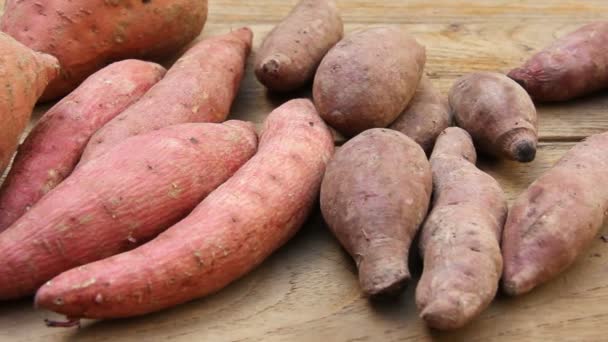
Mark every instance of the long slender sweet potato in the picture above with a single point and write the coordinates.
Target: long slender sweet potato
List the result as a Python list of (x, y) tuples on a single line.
[(292, 51), (498, 113), (199, 87), (52, 149), (573, 66), (553, 222), (119, 200), (368, 79), (86, 35), (460, 240), (375, 195), (425, 117), (231, 232), (25, 75)]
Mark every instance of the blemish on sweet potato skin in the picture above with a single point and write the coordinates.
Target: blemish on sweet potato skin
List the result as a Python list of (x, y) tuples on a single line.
[(553, 222), (104, 206), (88, 34), (375, 195), (231, 232), (460, 240)]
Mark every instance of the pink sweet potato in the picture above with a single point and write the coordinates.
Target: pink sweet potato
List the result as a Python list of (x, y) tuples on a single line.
[(292, 51), (199, 87), (375, 195), (231, 232), (119, 200), (25, 75), (460, 240), (86, 35), (553, 222), (425, 117), (52, 149), (573, 66)]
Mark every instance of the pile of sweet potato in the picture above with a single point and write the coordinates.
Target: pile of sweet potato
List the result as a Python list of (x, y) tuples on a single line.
[(133, 193)]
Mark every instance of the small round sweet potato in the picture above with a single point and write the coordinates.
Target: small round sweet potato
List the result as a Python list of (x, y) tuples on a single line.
[(292, 51), (498, 113), (368, 79), (86, 35)]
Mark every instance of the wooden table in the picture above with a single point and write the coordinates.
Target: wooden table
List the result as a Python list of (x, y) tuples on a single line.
[(308, 290)]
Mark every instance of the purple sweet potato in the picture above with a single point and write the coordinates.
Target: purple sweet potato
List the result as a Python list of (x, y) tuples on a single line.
[(573, 66), (52, 149), (126, 197)]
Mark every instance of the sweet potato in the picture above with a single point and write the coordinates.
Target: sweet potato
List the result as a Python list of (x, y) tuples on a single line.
[(368, 79), (52, 149), (460, 239), (573, 66), (231, 232), (498, 113), (375, 195), (425, 117), (25, 74), (292, 51), (555, 220), (119, 200), (86, 35), (199, 87)]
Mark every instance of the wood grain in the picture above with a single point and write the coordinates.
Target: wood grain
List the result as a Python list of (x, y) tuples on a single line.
[(308, 290)]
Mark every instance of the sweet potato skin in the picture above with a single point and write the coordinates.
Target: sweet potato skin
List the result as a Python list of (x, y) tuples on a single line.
[(556, 218), (374, 196), (123, 198), (25, 74), (86, 35), (199, 87), (573, 66), (52, 149), (292, 51), (232, 231), (368, 78), (498, 113), (425, 117), (460, 239)]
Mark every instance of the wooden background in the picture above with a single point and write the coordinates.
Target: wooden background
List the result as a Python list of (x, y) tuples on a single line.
[(308, 290)]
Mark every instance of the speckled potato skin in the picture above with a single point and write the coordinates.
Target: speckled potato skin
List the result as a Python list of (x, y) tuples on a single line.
[(425, 117), (498, 113), (25, 75), (53, 147), (460, 239), (230, 233), (199, 87), (368, 79), (571, 67), (556, 218), (374, 196), (86, 35), (292, 51), (120, 200)]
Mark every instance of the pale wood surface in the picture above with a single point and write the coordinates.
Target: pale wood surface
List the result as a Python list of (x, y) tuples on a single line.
[(308, 290)]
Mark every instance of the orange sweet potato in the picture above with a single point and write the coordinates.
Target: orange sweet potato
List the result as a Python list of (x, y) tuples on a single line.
[(231, 232), (368, 79), (119, 200), (573, 66), (199, 87), (460, 239), (52, 149), (25, 74), (425, 117), (292, 51), (375, 195), (498, 113), (86, 35), (553, 222)]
